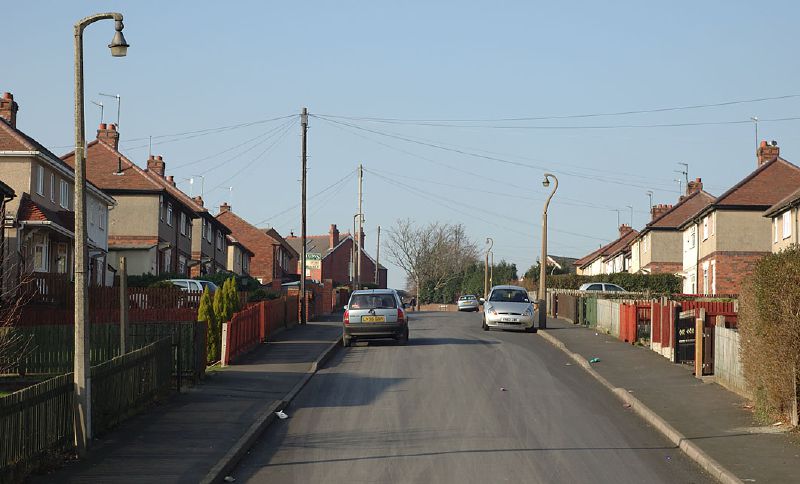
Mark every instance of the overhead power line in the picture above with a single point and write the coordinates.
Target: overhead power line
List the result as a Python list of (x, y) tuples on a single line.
[(571, 116)]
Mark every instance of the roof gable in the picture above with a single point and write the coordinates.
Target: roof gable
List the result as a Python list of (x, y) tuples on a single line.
[(764, 187), (783, 204), (684, 210)]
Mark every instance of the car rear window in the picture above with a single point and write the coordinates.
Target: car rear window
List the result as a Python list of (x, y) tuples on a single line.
[(373, 301), (467, 298), (509, 295)]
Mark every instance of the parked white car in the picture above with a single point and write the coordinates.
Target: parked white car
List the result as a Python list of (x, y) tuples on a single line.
[(601, 287), (508, 307)]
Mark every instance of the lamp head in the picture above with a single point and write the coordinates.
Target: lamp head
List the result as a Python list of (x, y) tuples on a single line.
[(118, 45), (546, 182)]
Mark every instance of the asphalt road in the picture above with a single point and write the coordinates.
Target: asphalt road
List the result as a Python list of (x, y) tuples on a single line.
[(436, 412)]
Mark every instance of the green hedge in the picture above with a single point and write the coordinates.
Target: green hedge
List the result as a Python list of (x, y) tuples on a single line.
[(653, 283)]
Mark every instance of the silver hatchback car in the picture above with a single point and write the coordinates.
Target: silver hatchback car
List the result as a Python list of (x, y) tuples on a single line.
[(508, 307), (374, 313), (468, 303)]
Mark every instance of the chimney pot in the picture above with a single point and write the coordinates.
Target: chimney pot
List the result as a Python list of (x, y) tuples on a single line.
[(8, 109), (107, 132), (224, 207), (157, 165), (160, 158), (767, 152)]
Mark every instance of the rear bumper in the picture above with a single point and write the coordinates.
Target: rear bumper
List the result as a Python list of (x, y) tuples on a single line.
[(468, 307), (373, 330)]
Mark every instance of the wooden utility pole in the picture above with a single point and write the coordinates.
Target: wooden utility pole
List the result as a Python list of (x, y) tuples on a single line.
[(378, 256), (304, 131), (360, 224), (489, 241), (123, 305)]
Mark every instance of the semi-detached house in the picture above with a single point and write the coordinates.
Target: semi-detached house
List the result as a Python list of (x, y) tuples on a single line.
[(151, 226), (659, 246), (610, 258), (725, 239), (40, 221)]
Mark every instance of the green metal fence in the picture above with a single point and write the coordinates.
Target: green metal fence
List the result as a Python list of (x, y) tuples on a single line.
[(589, 311), (51, 347)]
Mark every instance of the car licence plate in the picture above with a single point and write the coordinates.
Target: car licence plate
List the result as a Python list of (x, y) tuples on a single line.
[(510, 320), (373, 319)]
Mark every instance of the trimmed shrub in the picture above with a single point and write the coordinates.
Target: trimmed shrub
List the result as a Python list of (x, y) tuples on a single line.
[(262, 295), (769, 324), (206, 313), (653, 283)]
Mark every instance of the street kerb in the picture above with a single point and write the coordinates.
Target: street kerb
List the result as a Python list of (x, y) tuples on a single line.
[(229, 461), (708, 463)]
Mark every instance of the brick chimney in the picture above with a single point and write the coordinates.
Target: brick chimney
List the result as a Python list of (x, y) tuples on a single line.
[(333, 236), (767, 152), (8, 109), (224, 207), (198, 200), (156, 165), (109, 134), (694, 186), (657, 210), (624, 229)]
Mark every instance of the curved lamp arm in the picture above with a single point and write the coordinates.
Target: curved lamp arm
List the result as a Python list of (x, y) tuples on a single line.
[(546, 183)]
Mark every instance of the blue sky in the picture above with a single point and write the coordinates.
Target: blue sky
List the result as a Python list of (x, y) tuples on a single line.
[(194, 66)]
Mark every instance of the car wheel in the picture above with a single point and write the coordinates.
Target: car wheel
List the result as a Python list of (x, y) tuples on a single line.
[(532, 329), (403, 339), (346, 341), (485, 326)]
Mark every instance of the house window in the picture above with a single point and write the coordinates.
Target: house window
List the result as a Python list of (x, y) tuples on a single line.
[(188, 227), (181, 264), (207, 229), (245, 263), (40, 256), (101, 217), (168, 260), (705, 228), (40, 179), (787, 224), (169, 214), (53, 187), (61, 258), (775, 230), (712, 221), (705, 280), (183, 223), (64, 198), (90, 209), (161, 208), (713, 277), (692, 236), (219, 240)]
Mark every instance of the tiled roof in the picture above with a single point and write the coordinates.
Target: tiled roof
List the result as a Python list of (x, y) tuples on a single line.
[(6, 191), (12, 139), (621, 244), (279, 238), (317, 244), (178, 194), (684, 210), (784, 203), (764, 187), (32, 211), (585, 260), (102, 169), (233, 240)]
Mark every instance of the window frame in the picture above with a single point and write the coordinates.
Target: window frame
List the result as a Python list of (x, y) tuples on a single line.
[(40, 180), (63, 189), (53, 187), (169, 214), (705, 227), (183, 223), (787, 224)]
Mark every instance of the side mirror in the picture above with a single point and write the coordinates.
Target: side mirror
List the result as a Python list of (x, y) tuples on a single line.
[(482, 300)]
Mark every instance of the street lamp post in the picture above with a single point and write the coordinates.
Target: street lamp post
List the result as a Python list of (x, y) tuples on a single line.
[(543, 260), (119, 48)]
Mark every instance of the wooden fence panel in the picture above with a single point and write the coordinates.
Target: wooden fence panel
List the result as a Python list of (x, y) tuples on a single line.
[(123, 384), (727, 363), (35, 420)]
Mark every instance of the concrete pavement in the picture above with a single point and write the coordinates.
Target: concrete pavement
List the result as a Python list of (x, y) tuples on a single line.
[(707, 414), (461, 405), (184, 438)]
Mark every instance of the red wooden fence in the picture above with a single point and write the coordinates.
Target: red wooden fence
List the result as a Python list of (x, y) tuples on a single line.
[(256, 323)]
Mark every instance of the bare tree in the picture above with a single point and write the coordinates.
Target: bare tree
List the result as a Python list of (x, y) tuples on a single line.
[(434, 254), (14, 295)]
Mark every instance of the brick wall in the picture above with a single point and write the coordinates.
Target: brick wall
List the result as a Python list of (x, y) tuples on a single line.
[(732, 269), (261, 244), (336, 266)]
